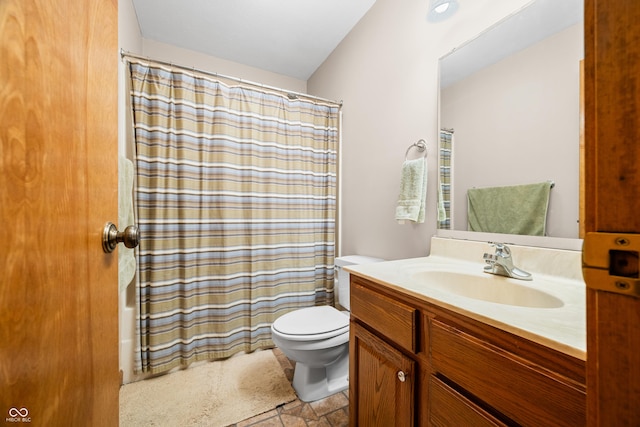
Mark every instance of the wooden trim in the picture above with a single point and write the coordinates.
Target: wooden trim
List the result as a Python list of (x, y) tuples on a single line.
[(612, 202), (581, 190)]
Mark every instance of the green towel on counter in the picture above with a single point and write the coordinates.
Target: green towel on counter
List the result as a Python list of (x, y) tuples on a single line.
[(518, 209)]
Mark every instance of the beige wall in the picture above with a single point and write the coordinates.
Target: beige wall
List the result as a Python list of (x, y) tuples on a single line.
[(386, 72), (189, 58), (517, 122)]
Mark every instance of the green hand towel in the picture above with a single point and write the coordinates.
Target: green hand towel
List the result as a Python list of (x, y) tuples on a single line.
[(413, 191), (518, 209)]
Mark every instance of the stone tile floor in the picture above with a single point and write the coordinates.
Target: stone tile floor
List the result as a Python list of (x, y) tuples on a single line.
[(332, 411)]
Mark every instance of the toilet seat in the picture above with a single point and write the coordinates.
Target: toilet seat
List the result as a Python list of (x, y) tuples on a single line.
[(312, 323)]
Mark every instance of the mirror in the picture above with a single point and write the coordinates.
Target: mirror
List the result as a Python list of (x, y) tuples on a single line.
[(511, 97)]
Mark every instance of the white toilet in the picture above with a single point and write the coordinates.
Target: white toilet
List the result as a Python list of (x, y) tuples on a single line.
[(317, 339)]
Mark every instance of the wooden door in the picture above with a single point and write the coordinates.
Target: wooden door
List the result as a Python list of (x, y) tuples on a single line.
[(381, 382), (612, 172), (58, 187)]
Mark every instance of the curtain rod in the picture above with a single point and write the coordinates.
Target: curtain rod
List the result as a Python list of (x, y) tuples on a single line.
[(290, 94)]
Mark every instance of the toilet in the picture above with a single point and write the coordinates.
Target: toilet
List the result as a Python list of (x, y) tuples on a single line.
[(317, 339)]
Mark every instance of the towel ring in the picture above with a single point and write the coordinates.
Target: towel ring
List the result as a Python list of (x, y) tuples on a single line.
[(421, 145)]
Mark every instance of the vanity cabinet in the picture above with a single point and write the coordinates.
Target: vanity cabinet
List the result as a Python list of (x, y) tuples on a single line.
[(416, 363), (382, 377), (386, 379), (518, 380)]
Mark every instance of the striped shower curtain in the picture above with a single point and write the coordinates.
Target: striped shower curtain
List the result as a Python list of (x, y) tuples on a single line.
[(444, 179), (235, 198)]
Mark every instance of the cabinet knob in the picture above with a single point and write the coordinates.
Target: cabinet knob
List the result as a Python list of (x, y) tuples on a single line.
[(402, 376)]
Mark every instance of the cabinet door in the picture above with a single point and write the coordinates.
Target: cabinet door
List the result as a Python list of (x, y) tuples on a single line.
[(382, 381)]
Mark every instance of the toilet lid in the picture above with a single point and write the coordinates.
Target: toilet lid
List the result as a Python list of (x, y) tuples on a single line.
[(310, 321)]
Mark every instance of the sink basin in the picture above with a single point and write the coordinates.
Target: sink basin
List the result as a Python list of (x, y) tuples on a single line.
[(487, 287)]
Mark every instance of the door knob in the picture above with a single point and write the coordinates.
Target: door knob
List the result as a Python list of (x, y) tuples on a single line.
[(402, 376), (111, 237)]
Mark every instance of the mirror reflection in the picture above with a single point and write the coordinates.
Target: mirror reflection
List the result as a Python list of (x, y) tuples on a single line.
[(510, 116)]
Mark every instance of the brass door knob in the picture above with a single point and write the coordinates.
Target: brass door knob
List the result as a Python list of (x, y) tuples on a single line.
[(111, 237)]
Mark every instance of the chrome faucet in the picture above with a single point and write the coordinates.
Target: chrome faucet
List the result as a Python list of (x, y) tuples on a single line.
[(501, 263)]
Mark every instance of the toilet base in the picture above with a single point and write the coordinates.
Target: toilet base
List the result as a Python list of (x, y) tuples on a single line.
[(317, 383)]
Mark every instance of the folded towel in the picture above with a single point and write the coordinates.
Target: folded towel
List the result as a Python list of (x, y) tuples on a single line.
[(126, 257), (413, 191), (518, 209)]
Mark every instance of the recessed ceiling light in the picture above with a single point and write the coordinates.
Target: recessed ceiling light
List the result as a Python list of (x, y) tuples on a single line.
[(439, 10), (442, 8)]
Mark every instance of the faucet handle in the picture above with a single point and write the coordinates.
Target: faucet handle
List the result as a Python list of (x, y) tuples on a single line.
[(501, 263), (496, 245), (489, 257), (501, 249)]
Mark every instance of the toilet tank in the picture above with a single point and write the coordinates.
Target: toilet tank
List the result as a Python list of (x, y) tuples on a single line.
[(343, 275)]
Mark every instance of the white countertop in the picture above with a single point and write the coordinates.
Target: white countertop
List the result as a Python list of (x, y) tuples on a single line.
[(562, 327)]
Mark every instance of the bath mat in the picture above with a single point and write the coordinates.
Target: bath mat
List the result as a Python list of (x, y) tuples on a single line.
[(213, 394)]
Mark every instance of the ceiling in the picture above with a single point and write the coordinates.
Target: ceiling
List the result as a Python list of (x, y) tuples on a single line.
[(289, 37), (533, 23)]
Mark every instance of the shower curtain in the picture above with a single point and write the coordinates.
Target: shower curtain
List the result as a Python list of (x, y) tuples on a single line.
[(236, 200), (444, 179)]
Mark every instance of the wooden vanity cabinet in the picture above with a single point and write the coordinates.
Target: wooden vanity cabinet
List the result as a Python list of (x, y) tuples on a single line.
[(382, 378), (513, 378), (414, 363), (385, 378)]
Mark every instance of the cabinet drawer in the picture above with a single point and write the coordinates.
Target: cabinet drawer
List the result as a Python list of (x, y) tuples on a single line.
[(523, 391), (393, 319), (447, 408)]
